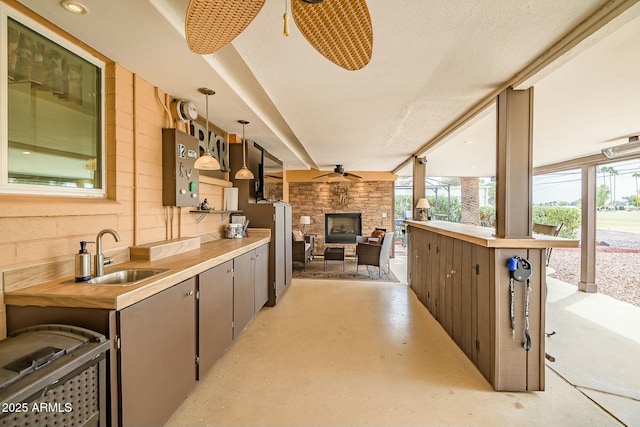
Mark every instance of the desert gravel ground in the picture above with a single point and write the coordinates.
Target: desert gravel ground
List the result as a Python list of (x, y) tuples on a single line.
[(617, 265)]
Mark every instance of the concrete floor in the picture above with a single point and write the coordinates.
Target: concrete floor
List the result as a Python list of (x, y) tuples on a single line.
[(336, 353), (596, 347)]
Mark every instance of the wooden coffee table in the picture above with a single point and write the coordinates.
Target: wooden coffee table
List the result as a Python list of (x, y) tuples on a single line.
[(333, 254)]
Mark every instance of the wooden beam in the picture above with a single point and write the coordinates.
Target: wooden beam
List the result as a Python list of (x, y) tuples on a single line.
[(514, 157), (588, 231), (419, 177)]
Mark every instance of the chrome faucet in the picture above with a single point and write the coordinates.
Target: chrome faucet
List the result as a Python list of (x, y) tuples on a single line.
[(100, 261)]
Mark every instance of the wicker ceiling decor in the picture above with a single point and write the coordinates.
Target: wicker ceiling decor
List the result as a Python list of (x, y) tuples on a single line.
[(339, 29), (212, 24)]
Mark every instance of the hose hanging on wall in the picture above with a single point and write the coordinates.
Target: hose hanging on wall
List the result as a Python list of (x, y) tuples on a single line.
[(520, 270)]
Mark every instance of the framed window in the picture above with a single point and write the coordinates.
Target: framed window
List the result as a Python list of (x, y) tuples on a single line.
[(52, 129)]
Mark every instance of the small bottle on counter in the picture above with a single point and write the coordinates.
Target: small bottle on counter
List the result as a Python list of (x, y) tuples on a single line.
[(83, 263)]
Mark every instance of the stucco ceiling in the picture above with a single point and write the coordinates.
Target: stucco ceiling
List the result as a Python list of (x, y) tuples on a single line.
[(432, 62)]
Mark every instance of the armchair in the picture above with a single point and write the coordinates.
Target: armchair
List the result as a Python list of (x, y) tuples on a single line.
[(374, 254), (300, 249)]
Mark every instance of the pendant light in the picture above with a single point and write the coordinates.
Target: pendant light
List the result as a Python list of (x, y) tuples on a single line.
[(207, 161), (244, 172)]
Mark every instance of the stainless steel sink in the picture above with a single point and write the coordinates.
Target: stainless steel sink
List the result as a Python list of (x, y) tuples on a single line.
[(127, 276)]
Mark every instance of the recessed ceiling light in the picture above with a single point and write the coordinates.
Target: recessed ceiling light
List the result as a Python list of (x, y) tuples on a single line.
[(74, 7), (26, 152), (468, 142)]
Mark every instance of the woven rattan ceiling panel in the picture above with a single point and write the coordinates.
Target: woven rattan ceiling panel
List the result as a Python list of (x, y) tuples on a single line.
[(212, 24), (339, 29)]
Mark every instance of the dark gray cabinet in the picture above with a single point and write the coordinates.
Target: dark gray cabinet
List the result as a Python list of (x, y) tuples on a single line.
[(243, 292), (277, 218), (157, 342), (157, 355), (250, 286), (215, 314), (261, 295)]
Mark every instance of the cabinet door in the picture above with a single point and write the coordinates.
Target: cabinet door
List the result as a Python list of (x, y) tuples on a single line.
[(456, 293), (243, 291), (482, 355), (448, 285), (415, 255), (434, 274), (157, 355), (288, 266), (279, 254), (467, 278), (261, 294), (215, 314)]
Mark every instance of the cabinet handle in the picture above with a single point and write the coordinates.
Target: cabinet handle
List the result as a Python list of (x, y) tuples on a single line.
[(230, 270), (190, 293), (453, 272)]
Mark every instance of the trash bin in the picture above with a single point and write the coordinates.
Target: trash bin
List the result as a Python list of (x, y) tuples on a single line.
[(53, 375)]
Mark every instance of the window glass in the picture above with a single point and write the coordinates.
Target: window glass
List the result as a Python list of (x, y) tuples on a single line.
[(54, 115)]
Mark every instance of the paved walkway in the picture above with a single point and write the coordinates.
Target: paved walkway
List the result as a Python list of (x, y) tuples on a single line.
[(596, 347)]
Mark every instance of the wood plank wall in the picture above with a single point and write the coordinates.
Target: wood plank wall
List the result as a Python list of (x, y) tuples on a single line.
[(40, 234)]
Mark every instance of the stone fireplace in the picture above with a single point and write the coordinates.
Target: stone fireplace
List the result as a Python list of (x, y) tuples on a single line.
[(342, 227), (373, 199)]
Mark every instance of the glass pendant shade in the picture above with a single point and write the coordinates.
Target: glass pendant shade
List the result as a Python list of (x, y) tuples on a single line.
[(244, 172), (207, 161)]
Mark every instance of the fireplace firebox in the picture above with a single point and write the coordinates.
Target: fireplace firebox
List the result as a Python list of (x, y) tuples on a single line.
[(342, 227)]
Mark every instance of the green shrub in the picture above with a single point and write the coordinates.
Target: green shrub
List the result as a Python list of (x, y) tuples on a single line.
[(443, 210), (569, 216), (487, 216), (551, 215)]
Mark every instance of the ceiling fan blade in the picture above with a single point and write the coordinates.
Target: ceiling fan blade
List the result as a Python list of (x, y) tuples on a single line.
[(212, 24), (352, 177), (340, 30), (330, 175)]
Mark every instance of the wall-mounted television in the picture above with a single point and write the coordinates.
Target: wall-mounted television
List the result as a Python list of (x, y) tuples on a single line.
[(267, 170)]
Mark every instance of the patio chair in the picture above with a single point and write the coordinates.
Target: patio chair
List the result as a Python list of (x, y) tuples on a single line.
[(375, 254), (548, 230)]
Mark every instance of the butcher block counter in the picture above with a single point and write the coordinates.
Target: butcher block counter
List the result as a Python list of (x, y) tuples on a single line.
[(66, 293), (460, 274), (166, 331), (483, 236)]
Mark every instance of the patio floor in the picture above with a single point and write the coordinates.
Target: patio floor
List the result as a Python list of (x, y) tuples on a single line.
[(596, 347)]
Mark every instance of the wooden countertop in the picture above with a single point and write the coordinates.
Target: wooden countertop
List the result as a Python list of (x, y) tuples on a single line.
[(483, 236), (66, 293)]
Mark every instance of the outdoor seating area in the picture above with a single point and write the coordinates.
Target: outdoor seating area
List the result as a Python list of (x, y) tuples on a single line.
[(373, 250)]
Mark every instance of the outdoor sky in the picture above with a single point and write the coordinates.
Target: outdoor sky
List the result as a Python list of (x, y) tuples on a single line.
[(565, 186)]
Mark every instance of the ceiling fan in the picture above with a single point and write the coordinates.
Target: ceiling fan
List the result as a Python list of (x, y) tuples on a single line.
[(340, 30), (338, 171)]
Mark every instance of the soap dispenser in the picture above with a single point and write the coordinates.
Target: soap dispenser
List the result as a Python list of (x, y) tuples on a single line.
[(83, 263)]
